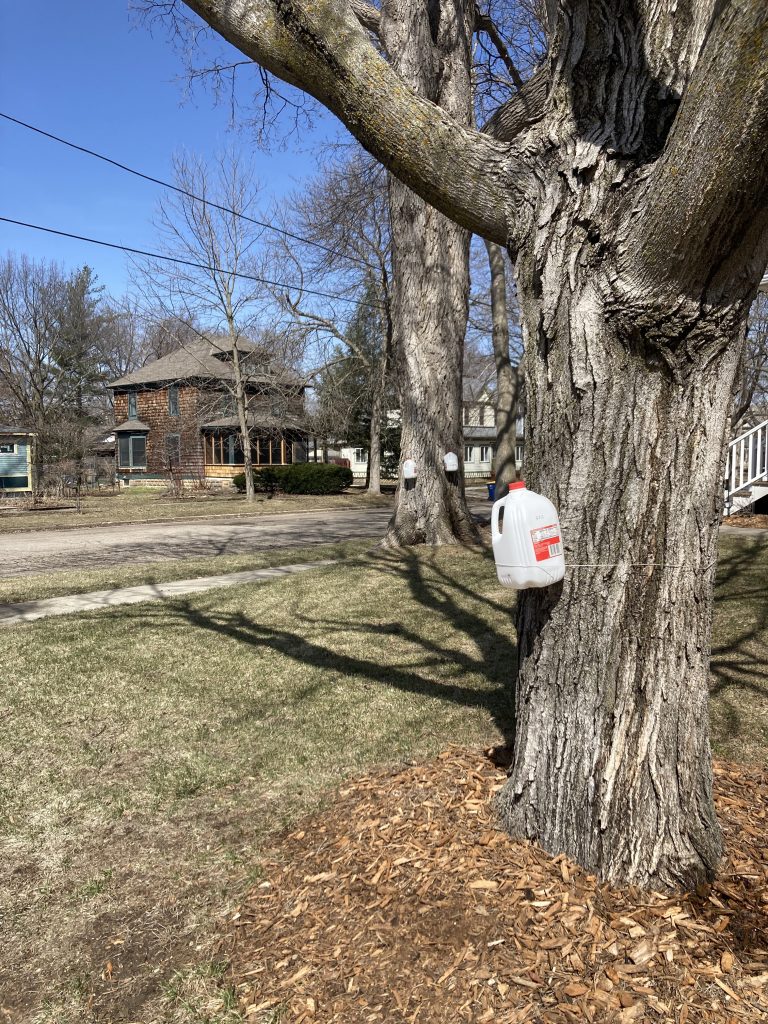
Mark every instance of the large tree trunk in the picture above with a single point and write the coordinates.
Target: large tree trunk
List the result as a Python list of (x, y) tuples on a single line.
[(430, 301), (507, 383), (612, 762), (634, 200)]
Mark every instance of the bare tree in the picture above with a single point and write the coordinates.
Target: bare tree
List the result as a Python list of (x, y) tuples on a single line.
[(51, 331), (494, 342), (211, 290), (507, 381), (345, 213), (430, 258), (629, 180)]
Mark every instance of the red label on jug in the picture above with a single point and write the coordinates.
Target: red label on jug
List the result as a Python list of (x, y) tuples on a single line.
[(546, 542)]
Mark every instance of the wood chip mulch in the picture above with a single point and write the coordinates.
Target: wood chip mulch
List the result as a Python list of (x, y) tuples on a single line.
[(403, 902), (749, 522)]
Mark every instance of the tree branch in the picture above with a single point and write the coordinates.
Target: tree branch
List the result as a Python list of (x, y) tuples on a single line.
[(521, 110), (702, 224), (368, 16), (320, 47), (484, 23)]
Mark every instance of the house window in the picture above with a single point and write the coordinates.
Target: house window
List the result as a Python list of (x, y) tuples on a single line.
[(132, 451), (7, 449), (132, 406), (518, 454), (469, 453), (224, 450), (485, 453), (360, 455), (172, 450), (173, 400)]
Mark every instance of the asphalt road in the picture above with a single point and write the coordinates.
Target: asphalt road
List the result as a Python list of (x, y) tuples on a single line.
[(92, 547)]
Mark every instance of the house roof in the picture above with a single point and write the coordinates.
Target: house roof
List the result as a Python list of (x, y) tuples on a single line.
[(255, 421), (475, 387), (479, 433), (203, 359), (135, 425), (223, 347), (15, 430)]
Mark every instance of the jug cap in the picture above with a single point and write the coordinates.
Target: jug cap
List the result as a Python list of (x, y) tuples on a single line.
[(517, 485)]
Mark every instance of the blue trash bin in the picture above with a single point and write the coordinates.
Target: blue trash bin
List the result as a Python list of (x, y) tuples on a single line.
[(492, 491)]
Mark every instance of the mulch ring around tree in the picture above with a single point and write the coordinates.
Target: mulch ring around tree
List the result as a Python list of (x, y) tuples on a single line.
[(403, 902), (749, 522)]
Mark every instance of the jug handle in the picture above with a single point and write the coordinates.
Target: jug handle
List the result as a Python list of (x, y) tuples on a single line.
[(495, 531)]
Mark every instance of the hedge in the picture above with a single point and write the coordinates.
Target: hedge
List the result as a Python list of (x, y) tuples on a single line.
[(299, 478)]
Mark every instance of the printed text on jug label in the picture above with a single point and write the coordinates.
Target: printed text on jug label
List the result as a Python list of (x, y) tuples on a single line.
[(546, 542)]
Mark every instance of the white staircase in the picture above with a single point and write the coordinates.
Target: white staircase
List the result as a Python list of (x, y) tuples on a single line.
[(746, 472)]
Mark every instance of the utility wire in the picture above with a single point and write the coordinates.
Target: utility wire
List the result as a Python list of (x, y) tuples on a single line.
[(199, 199), (187, 263), (184, 192)]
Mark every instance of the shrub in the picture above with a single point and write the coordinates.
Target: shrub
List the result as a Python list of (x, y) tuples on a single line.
[(299, 478), (265, 481), (315, 478)]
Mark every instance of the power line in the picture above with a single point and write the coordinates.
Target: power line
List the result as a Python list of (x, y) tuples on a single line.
[(187, 263), (215, 206), (184, 192)]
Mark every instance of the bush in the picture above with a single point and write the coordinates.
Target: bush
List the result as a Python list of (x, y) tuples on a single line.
[(265, 481), (315, 478), (299, 478)]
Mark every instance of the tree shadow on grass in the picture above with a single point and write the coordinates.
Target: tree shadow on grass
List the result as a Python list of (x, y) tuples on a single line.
[(438, 669), (738, 665)]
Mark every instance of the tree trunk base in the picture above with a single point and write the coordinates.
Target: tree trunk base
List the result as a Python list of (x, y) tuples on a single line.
[(431, 516)]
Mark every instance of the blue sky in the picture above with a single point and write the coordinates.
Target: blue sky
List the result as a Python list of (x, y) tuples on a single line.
[(91, 73)]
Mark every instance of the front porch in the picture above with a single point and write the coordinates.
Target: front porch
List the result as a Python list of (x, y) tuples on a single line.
[(224, 457)]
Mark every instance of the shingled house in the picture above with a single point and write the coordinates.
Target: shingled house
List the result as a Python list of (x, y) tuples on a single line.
[(479, 425), (178, 414)]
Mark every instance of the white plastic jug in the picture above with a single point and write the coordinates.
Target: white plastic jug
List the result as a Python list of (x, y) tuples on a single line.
[(528, 548)]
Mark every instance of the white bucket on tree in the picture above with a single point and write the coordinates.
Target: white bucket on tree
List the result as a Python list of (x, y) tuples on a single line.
[(528, 544)]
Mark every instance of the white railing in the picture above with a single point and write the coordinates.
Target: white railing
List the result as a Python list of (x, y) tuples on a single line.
[(747, 460)]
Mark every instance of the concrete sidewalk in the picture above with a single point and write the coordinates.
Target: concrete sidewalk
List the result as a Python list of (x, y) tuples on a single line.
[(15, 614)]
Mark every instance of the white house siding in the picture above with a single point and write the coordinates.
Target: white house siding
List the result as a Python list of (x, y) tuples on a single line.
[(15, 463)]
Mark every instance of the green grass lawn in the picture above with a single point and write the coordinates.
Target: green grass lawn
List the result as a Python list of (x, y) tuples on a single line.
[(151, 750), (137, 504)]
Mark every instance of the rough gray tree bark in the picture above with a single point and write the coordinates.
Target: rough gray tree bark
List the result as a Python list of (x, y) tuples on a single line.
[(430, 287), (378, 411), (635, 206), (507, 382)]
